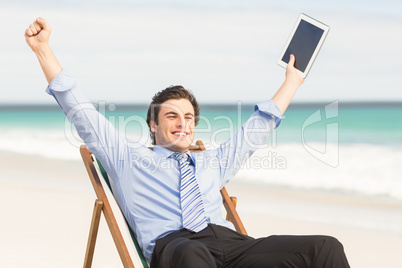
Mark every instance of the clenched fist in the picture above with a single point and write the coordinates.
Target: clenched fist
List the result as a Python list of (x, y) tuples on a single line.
[(37, 37), (37, 34)]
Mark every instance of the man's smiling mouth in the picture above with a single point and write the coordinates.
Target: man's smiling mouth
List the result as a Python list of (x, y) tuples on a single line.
[(180, 133)]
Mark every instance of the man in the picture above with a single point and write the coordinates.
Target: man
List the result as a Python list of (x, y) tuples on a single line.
[(169, 196)]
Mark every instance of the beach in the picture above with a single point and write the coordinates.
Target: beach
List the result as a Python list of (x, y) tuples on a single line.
[(47, 208), (332, 167)]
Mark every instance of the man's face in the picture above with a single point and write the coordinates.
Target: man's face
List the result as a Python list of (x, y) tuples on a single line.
[(175, 129)]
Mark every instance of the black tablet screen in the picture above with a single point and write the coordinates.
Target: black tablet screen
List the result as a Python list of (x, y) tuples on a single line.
[(303, 44)]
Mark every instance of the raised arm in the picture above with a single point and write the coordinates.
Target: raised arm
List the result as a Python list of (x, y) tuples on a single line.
[(95, 130), (292, 82), (37, 37)]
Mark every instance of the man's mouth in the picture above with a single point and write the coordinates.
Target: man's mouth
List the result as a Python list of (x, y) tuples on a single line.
[(180, 133)]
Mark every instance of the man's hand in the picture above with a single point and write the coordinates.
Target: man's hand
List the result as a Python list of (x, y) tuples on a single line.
[(291, 72), (37, 37), (37, 34), (292, 82)]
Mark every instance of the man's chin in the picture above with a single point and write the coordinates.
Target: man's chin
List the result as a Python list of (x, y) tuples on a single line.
[(180, 145)]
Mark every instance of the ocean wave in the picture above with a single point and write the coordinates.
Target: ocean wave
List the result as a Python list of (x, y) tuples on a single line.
[(46, 143), (363, 169)]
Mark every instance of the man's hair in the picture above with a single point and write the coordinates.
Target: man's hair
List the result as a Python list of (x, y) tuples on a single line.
[(172, 92)]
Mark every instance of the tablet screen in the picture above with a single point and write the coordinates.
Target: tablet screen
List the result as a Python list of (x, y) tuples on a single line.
[(303, 44)]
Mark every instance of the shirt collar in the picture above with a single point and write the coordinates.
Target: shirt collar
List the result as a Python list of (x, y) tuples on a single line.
[(166, 153)]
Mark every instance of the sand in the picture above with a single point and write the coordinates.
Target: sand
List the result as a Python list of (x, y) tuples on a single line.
[(47, 206)]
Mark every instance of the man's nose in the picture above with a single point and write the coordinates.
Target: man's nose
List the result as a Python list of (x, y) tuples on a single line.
[(181, 122)]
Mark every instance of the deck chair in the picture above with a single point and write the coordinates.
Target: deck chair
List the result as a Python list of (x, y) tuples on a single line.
[(124, 238)]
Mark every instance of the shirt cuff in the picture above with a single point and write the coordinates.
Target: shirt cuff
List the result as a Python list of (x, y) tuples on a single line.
[(62, 82), (270, 108)]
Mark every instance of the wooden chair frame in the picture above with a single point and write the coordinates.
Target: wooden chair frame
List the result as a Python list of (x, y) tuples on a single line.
[(102, 204)]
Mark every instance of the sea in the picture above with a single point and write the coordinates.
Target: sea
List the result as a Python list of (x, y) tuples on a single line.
[(352, 148)]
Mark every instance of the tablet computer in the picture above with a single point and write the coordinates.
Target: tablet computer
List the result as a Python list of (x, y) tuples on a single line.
[(305, 42)]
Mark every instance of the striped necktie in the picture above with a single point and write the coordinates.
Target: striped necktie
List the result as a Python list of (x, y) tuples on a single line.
[(192, 207)]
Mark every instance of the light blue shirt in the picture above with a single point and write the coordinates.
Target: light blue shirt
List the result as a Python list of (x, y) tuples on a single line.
[(145, 183)]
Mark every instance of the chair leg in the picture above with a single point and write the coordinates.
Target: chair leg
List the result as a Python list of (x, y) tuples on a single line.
[(93, 232), (229, 204), (234, 201)]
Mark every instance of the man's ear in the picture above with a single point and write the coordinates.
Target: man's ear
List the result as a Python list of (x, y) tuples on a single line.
[(152, 126)]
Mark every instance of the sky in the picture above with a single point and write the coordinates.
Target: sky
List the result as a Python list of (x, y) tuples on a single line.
[(224, 51)]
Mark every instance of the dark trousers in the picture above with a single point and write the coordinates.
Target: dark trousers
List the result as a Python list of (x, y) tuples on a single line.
[(218, 246)]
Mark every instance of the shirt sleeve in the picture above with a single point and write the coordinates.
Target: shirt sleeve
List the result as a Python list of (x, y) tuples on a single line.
[(98, 134), (251, 136), (270, 108)]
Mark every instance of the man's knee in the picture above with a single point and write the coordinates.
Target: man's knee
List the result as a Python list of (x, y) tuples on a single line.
[(331, 243), (330, 253), (183, 252)]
